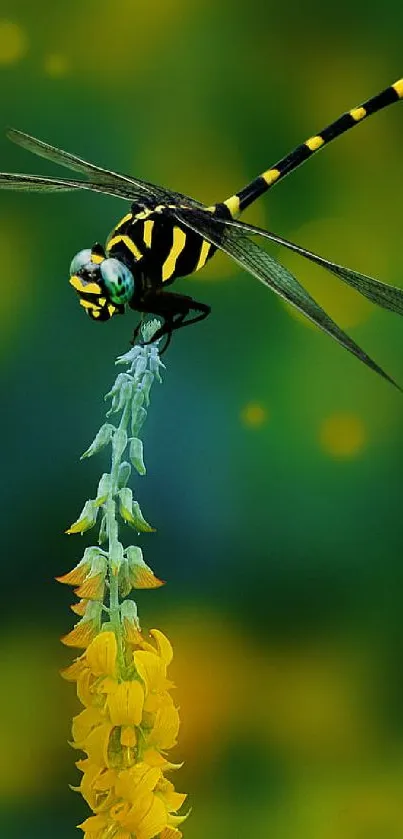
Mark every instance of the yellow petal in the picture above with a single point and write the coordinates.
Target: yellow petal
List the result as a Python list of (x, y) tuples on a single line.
[(79, 608), (84, 723), (166, 727), (81, 636), (175, 820), (125, 705), (101, 654), (96, 744), (92, 588), (146, 818), (133, 784), (173, 800), (94, 824), (85, 687), (134, 636), (128, 736), (142, 576), (171, 833), (151, 669), (106, 780), (164, 646), (154, 821), (76, 576), (154, 758), (73, 671)]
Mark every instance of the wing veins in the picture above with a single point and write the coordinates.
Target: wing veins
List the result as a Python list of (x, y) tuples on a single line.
[(260, 264), (384, 295)]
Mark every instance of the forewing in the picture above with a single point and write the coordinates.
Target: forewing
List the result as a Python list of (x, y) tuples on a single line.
[(133, 189), (387, 296), (260, 264), (35, 183)]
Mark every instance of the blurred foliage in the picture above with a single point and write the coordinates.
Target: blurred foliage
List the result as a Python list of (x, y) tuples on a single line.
[(274, 476)]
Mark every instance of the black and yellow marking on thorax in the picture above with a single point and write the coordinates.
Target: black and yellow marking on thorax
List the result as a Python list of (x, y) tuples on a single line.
[(238, 202), (166, 249)]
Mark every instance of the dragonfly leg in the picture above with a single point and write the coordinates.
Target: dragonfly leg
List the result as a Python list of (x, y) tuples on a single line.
[(174, 309)]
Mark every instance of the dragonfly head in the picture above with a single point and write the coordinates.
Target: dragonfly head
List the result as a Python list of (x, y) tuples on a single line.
[(103, 284)]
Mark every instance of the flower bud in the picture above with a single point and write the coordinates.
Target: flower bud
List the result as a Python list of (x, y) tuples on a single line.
[(86, 520), (136, 455), (119, 443), (104, 488), (124, 474), (101, 440)]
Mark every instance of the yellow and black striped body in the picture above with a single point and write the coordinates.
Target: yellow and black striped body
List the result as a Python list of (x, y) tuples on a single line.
[(283, 167), (160, 249)]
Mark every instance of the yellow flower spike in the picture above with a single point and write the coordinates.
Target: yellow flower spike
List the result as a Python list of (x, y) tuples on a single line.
[(101, 654), (84, 722), (151, 669), (164, 646), (125, 705), (121, 678)]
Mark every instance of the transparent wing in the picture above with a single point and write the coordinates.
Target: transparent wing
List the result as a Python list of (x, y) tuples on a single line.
[(133, 189), (34, 183), (387, 296), (233, 241)]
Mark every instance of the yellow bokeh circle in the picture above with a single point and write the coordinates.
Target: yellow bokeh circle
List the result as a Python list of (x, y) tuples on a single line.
[(13, 42), (342, 435), (253, 414), (56, 65)]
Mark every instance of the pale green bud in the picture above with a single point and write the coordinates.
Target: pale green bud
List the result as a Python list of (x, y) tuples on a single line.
[(136, 455), (101, 440), (119, 443), (124, 474), (138, 419), (104, 488)]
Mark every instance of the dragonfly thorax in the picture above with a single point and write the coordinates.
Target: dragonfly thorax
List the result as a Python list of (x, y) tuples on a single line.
[(103, 284)]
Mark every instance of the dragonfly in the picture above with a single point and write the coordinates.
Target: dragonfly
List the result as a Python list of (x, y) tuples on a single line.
[(166, 235)]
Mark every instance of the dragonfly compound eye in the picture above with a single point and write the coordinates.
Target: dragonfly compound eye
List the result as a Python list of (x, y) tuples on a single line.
[(81, 259), (118, 281)]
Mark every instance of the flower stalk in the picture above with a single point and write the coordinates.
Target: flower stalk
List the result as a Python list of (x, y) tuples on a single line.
[(129, 720)]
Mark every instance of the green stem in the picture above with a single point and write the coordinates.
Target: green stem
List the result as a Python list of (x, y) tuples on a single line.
[(113, 547)]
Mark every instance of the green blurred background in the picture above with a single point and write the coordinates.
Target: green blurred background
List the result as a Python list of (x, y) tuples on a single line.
[(274, 458)]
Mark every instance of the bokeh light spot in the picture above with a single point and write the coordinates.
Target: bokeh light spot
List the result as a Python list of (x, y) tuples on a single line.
[(253, 415), (342, 435), (56, 65), (13, 42)]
